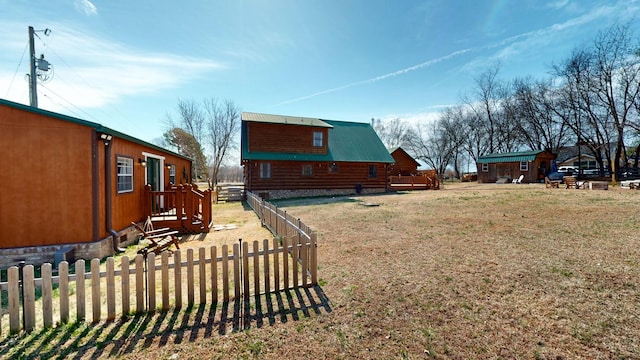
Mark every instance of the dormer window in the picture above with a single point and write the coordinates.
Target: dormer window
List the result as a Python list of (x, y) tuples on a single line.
[(317, 138)]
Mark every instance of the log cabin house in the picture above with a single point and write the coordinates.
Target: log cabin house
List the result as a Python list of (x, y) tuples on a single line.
[(286, 156), (404, 173), (75, 186), (534, 165)]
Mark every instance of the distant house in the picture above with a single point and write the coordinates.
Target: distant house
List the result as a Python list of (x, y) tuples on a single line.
[(404, 165), (534, 165), (71, 183), (287, 156)]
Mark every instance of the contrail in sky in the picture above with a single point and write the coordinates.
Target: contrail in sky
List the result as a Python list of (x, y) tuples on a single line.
[(378, 78)]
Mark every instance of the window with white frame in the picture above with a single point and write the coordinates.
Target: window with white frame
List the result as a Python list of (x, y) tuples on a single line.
[(317, 138), (125, 174), (485, 167), (307, 170), (524, 166), (172, 174), (265, 170)]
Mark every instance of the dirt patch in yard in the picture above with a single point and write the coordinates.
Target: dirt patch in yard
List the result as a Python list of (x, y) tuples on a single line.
[(469, 271)]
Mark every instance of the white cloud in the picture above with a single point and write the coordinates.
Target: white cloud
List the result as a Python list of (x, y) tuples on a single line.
[(91, 72), (86, 7)]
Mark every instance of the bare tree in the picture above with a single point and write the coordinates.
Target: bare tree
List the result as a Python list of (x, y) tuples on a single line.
[(394, 133), (223, 124)]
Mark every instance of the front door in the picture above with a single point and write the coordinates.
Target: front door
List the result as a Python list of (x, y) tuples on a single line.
[(153, 173)]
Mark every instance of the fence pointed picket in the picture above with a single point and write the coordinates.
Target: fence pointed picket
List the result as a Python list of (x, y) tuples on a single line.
[(256, 268), (80, 290), (151, 282), (177, 275), (190, 278), (29, 298), (295, 251), (225, 273), (285, 262), (111, 289), (95, 289), (140, 288), (314, 258), (245, 266), (267, 277), (236, 271), (63, 291), (125, 285), (202, 266), (47, 295), (164, 270), (276, 265), (214, 275), (13, 277), (305, 261)]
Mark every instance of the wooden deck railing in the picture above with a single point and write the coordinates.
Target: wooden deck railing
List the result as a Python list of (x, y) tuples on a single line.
[(183, 208), (154, 283), (413, 182)]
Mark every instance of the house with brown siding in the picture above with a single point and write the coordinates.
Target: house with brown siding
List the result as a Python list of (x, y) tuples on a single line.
[(288, 156), (533, 165), (74, 184), (405, 164)]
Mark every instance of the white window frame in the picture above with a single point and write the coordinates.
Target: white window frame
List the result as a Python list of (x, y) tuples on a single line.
[(524, 166), (172, 174), (485, 167), (318, 139), (265, 170), (124, 171)]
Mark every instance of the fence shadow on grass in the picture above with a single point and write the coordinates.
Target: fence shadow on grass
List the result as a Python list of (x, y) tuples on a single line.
[(124, 336)]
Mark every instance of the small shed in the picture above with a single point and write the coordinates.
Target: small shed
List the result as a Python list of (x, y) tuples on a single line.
[(534, 165)]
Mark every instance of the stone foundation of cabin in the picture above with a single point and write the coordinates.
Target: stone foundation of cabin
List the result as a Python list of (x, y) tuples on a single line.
[(37, 255), (287, 194)]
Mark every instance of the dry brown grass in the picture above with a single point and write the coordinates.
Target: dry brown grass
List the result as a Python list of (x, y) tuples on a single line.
[(470, 271)]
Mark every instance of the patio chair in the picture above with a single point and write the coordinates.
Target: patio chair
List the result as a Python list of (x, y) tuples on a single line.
[(159, 239), (570, 182), (518, 180), (551, 183)]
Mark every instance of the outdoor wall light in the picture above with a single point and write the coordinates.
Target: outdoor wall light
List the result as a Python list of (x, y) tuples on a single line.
[(106, 138), (142, 162), (168, 166)]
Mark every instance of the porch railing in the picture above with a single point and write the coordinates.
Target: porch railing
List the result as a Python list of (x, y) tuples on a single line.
[(182, 207)]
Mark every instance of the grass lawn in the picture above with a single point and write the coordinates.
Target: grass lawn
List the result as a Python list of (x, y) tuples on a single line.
[(469, 271)]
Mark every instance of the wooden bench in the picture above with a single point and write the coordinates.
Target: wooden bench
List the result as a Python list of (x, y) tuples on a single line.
[(159, 240)]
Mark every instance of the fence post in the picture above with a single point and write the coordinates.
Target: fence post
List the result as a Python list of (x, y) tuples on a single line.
[(80, 290), (285, 262), (13, 278), (63, 290), (95, 289), (47, 295), (245, 266)]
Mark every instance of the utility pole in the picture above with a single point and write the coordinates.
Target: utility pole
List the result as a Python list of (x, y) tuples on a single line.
[(33, 80), (36, 64)]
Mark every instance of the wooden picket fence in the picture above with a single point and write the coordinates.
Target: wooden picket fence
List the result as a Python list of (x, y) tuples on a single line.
[(278, 221), (156, 283)]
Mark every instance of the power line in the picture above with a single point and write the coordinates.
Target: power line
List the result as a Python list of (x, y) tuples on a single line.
[(16, 72)]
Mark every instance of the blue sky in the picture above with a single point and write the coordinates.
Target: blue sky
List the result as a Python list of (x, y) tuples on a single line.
[(125, 64)]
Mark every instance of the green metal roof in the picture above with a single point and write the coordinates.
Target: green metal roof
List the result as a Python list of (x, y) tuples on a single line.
[(347, 142), (509, 157), (96, 126)]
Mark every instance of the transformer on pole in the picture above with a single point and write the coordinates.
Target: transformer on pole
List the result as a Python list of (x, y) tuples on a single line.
[(38, 68)]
